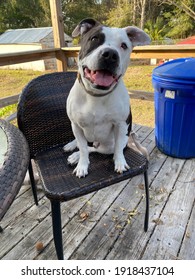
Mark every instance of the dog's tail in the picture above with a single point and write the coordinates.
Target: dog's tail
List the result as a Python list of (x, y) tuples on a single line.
[(136, 146)]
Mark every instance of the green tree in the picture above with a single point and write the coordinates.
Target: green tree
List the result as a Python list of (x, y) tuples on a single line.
[(75, 11), (156, 30), (181, 21), (120, 15), (186, 6), (23, 14)]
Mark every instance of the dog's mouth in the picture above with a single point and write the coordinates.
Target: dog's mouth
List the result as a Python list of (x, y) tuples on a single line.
[(101, 79)]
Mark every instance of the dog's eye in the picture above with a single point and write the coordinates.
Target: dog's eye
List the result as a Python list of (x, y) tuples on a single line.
[(124, 46), (94, 38)]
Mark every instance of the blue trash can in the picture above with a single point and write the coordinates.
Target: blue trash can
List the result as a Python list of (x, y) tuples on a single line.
[(174, 88)]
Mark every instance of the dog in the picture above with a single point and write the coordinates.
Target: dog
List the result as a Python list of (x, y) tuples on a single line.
[(98, 103)]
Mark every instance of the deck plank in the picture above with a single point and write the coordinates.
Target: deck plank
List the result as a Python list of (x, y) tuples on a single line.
[(187, 251), (109, 228), (76, 230), (168, 234), (42, 232), (113, 227), (134, 240)]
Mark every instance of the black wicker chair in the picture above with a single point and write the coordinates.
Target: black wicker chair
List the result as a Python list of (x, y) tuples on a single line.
[(43, 120), (14, 166)]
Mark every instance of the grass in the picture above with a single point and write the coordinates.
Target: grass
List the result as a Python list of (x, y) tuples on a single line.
[(136, 78), (11, 83), (140, 78)]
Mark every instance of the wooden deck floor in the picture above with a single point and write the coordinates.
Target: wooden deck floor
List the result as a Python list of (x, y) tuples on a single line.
[(109, 224)]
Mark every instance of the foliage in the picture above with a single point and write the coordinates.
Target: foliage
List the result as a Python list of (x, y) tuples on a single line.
[(180, 23), (157, 30), (177, 15), (120, 14), (75, 11), (22, 14)]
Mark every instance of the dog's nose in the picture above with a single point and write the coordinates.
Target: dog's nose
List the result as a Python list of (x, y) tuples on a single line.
[(109, 54)]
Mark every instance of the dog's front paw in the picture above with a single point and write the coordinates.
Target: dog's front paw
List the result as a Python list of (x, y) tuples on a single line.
[(74, 158), (70, 146), (121, 165), (81, 170)]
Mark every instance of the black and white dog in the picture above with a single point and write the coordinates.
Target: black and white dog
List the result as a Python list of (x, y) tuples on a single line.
[(98, 103)]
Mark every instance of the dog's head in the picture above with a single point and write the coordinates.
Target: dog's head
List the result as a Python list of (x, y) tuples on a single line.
[(105, 54)]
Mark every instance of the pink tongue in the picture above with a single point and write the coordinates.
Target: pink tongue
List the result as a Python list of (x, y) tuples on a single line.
[(100, 77)]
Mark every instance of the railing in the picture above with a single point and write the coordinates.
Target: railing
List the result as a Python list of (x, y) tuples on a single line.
[(142, 52), (27, 56)]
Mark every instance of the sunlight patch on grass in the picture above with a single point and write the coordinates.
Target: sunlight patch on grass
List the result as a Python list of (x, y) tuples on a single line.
[(142, 112), (139, 78), (13, 81)]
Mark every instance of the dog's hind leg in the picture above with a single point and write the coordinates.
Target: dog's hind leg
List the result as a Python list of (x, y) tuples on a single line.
[(74, 157), (99, 148), (70, 146)]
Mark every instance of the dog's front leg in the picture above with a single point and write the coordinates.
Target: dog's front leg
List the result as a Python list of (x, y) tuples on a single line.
[(81, 169), (121, 139)]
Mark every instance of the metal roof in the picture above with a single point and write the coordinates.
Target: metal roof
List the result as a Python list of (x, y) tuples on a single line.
[(27, 35), (187, 41)]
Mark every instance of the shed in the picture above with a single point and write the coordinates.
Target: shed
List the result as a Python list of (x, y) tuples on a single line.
[(19, 40)]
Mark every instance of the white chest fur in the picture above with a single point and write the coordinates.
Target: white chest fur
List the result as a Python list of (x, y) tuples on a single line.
[(97, 116)]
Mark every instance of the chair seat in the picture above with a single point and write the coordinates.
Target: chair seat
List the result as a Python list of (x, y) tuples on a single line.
[(59, 183)]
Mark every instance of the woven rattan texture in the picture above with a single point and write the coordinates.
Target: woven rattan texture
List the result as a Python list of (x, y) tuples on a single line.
[(60, 184), (15, 165), (42, 118), (42, 111)]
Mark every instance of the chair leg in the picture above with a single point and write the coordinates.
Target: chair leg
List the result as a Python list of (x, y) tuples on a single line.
[(147, 201), (33, 184), (57, 228)]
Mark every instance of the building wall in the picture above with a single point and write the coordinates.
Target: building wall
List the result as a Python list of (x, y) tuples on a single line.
[(11, 48), (48, 42), (51, 64)]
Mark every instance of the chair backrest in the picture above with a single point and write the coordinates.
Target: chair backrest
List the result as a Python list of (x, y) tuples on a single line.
[(42, 113)]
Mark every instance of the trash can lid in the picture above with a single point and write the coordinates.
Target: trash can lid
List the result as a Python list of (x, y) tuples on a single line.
[(182, 69)]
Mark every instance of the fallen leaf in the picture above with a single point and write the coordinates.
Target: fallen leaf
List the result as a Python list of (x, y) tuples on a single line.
[(133, 213), (118, 227), (83, 216), (39, 246), (141, 186), (158, 221), (123, 209)]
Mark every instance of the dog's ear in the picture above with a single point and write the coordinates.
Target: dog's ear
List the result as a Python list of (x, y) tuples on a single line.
[(84, 26), (137, 36)]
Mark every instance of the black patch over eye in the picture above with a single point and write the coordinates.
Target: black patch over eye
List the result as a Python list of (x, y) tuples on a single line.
[(124, 46), (91, 40), (94, 38)]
